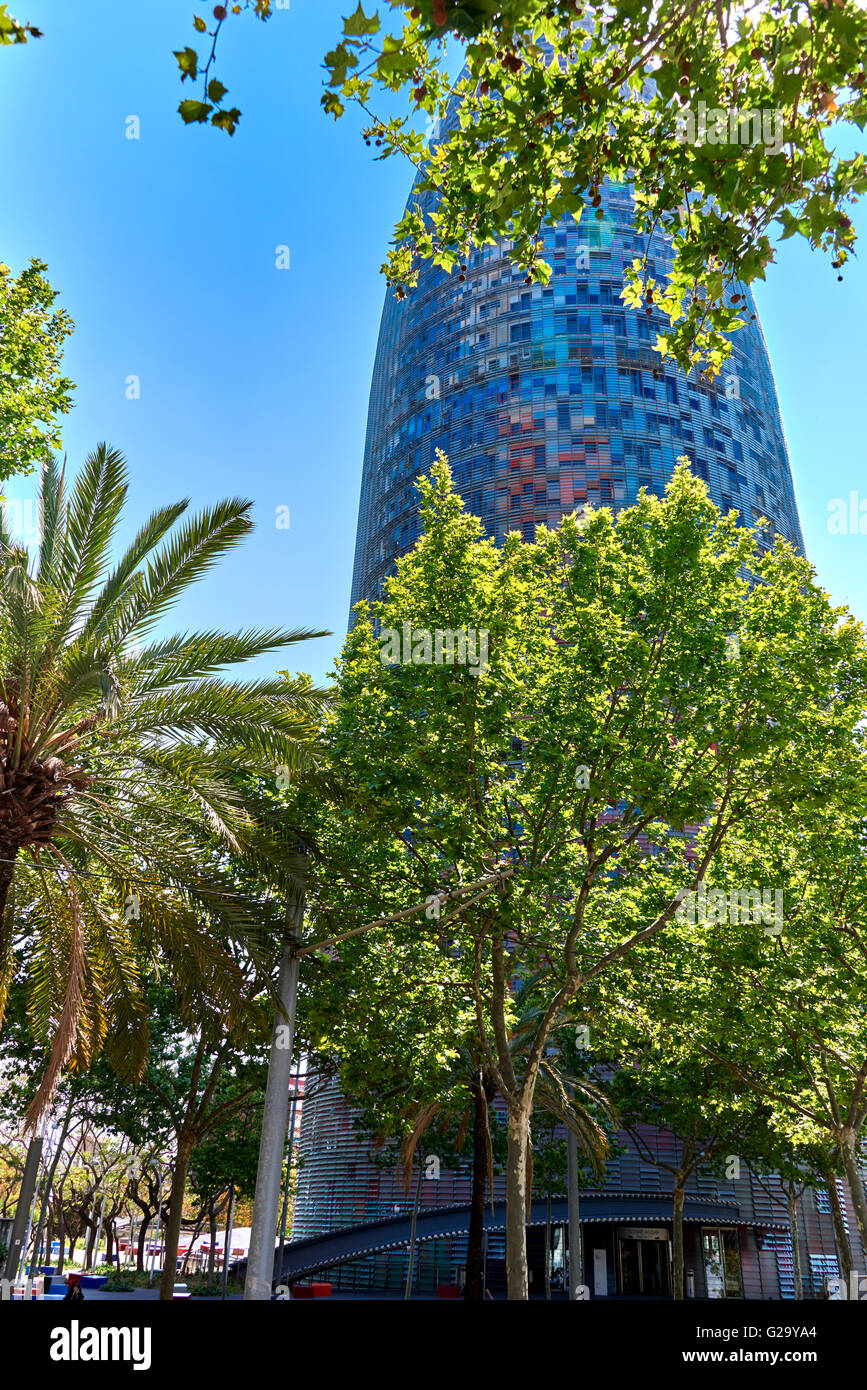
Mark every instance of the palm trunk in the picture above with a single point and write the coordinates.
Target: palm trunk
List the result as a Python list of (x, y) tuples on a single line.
[(518, 1138), (474, 1291), (792, 1204), (849, 1151), (844, 1249), (677, 1240), (175, 1217), (7, 874)]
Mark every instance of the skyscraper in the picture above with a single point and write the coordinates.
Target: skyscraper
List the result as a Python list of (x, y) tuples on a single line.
[(546, 399)]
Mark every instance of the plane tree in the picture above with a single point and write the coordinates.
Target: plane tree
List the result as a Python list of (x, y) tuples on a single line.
[(784, 1011), (33, 390), (551, 800), (724, 117)]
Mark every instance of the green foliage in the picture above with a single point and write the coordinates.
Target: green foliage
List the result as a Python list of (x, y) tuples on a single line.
[(125, 796), (230, 1153), (783, 1012), (545, 810), (32, 391), (192, 65), (13, 31), (555, 98)]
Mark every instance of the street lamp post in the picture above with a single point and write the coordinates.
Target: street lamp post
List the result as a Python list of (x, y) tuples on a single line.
[(228, 1246), (285, 1212), (24, 1210), (575, 1262), (98, 1197), (159, 1172), (275, 1113), (412, 1230)]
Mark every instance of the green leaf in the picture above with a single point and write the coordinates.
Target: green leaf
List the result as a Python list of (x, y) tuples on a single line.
[(188, 62), (358, 24), (226, 120), (216, 90), (333, 105), (194, 111)]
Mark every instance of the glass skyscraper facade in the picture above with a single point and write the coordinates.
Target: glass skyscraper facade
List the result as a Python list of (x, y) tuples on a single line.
[(545, 398)]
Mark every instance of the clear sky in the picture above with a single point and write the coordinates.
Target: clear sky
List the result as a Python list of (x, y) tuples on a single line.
[(254, 380)]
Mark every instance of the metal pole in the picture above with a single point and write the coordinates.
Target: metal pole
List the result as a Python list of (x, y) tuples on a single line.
[(409, 1273), (159, 1222), (576, 1271), (275, 1112), (23, 1211), (101, 1196), (30, 1226), (285, 1213), (228, 1245)]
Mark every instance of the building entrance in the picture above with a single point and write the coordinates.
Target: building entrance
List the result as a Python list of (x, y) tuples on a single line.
[(643, 1262)]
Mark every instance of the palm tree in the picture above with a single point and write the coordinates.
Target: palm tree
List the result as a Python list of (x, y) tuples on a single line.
[(123, 759)]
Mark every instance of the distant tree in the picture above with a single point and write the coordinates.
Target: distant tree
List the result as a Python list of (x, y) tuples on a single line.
[(33, 393), (223, 1167)]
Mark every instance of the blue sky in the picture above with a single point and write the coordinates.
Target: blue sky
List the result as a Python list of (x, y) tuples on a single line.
[(255, 380)]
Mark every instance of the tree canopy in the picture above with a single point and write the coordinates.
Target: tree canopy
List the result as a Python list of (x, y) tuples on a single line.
[(33, 393)]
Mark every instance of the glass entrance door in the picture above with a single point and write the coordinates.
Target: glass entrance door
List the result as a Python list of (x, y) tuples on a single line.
[(644, 1266)]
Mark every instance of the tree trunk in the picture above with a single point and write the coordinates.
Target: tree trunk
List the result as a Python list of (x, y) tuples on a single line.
[(518, 1138), (109, 1242), (474, 1291), (175, 1217), (792, 1204), (187, 1266), (61, 1236), (49, 1184), (142, 1239), (849, 1151), (677, 1241), (90, 1246), (844, 1249)]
